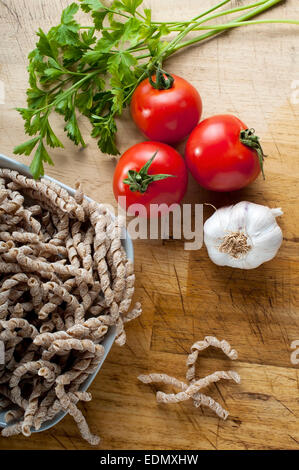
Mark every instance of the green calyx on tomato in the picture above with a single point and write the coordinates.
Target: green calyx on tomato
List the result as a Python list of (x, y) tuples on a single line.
[(248, 137), (140, 180), (164, 81)]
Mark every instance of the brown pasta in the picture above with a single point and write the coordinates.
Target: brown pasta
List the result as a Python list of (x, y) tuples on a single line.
[(200, 346), (64, 281), (192, 388)]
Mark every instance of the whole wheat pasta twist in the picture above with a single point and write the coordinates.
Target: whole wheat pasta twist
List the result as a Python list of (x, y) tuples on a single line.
[(27, 330), (129, 290), (9, 284), (70, 204), (74, 259), (62, 229), (3, 247), (72, 409), (25, 237), (72, 253), (32, 264), (81, 331), (35, 209), (4, 311), (45, 204), (30, 411), (18, 311), (117, 264), (199, 398), (36, 292), (12, 430), (196, 386), (42, 412), (162, 378), (99, 222), (7, 335), (14, 414), (203, 400), (63, 293), (31, 367), (134, 313), (76, 234), (47, 327), (46, 339), (57, 320), (5, 237), (120, 331), (62, 346), (48, 228), (82, 425), (49, 371), (31, 223), (87, 259), (50, 306), (200, 346), (12, 203), (86, 366), (49, 249)]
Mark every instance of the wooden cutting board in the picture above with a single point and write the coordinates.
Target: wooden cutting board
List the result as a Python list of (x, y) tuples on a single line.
[(249, 72)]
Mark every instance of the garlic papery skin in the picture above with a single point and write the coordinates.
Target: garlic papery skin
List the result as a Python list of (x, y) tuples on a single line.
[(243, 236)]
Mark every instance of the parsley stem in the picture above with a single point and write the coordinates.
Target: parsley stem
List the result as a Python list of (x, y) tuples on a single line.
[(60, 84), (227, 12), (144, 56), (245, 23), (67, 92), (219, 5), (173, 46)]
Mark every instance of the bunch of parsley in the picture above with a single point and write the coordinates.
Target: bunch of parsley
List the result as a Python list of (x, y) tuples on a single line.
[(95, 69)]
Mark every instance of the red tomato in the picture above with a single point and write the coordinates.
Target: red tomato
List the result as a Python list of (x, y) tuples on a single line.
[(167, 161), (217, 158), (166, 115)]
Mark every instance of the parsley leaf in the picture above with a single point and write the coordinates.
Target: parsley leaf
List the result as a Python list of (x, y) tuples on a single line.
[(128, 5), (105, 127), (41, 155), (26, 147)]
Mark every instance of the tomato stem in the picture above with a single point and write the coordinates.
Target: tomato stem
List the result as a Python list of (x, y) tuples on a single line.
[(164, 81), (140, 180), (248, 138)]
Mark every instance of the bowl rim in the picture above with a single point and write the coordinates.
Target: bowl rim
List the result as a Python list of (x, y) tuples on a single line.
[(6, 162)]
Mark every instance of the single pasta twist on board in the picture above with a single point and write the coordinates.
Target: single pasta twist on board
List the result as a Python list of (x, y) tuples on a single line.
[(192, 388), (65, 280)]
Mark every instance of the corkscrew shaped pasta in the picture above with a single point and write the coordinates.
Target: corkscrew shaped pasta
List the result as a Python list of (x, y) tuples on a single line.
[(64, 281), (192, 388)]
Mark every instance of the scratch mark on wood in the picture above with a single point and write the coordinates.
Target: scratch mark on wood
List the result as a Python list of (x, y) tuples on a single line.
[(181, 296)]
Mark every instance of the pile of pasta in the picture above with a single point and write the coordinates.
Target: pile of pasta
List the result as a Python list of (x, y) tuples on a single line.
[(65, 280)]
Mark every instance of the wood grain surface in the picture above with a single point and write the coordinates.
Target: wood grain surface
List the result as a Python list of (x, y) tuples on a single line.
[(248, 72)]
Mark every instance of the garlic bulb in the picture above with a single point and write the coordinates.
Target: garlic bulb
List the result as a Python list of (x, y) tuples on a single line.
[(243, 236)]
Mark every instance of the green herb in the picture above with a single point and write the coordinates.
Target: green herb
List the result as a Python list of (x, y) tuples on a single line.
[(94, 70)]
